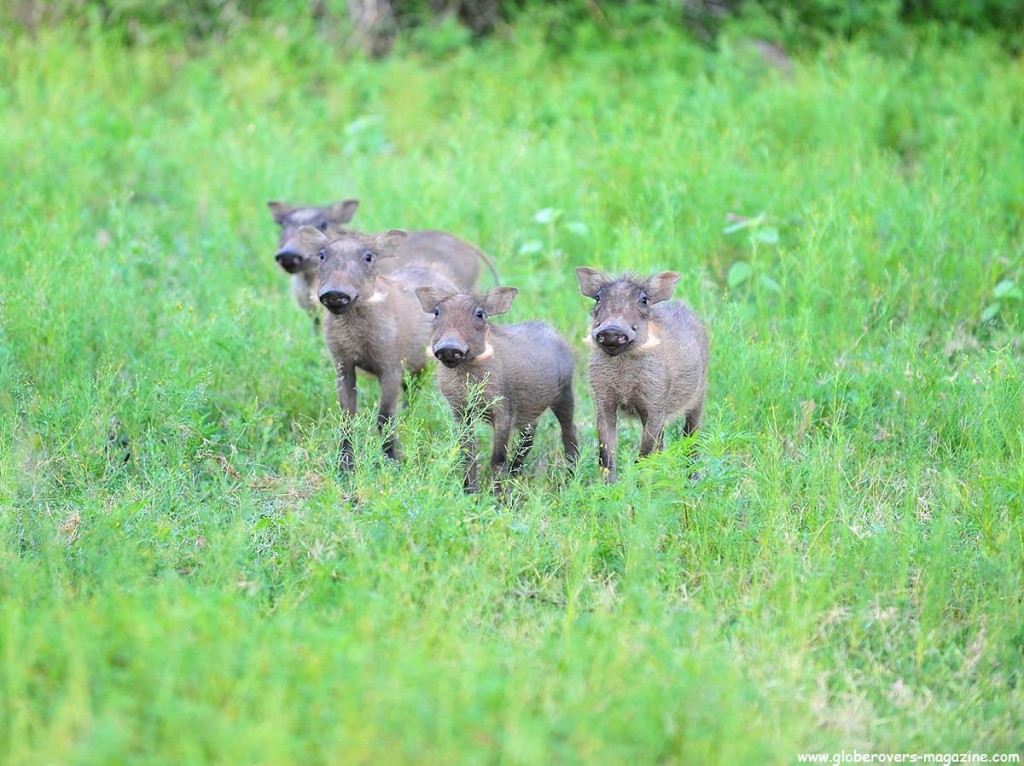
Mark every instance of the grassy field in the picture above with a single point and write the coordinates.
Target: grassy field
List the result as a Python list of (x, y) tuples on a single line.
[(847, 573)]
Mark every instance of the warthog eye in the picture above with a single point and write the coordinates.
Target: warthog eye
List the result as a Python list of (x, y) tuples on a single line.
[(479, 314), (322, 254), (322, 226), (597, 298), (437, 311), (367, 257), (643, 299)]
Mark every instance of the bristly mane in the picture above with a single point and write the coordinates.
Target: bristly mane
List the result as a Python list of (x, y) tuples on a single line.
[(626, 276), (350, 234)]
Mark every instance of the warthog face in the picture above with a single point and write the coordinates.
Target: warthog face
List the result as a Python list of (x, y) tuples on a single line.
[(347, 264), (290, 255), (460, 321), (622, 307)]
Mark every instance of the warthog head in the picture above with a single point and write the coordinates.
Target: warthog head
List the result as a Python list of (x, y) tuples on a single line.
[(290, 256), (460, 321), (347, 264), (622, 307)]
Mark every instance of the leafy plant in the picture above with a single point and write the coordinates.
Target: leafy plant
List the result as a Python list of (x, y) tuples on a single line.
[(1005, 297), (758, 232)]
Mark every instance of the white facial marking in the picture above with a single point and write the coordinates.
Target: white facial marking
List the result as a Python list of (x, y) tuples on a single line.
[(588, 339), (486, 354), (377, 297), (652, 339)]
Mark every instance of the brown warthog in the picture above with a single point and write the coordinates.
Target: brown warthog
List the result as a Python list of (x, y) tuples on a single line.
[(456, 259), (374, 321), (509, 374), (649, 358)]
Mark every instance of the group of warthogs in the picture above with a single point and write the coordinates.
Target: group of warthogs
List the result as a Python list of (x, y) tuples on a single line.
[(395, 297)]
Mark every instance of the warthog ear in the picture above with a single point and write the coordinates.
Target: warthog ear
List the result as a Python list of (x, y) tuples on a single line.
[(498, 300), (342, 212), (312, 239), (386, 243), (430, 297), (591, 281), (279, 210), (660, 286)]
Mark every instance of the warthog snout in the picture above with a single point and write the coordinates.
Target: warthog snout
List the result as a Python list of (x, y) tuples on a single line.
[(450, 352), (337, 301), (614, 338), (288, 260)]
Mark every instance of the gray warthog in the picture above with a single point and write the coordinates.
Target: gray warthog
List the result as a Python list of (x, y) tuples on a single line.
[(374, 321), (649, 358), (519, 370)]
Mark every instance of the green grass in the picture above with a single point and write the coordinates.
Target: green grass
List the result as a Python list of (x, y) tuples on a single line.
[(847, 573)]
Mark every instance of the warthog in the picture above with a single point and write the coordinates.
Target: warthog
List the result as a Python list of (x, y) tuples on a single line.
[(509, 374), (458, 260), (649, 358), (374, 321)]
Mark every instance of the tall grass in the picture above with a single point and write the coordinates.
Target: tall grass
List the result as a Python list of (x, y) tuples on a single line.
[(846, 573)]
